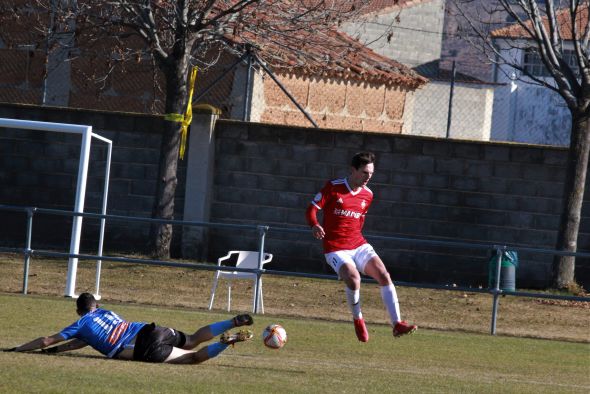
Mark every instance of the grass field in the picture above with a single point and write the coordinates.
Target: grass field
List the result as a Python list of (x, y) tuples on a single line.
[(303, 297), (320, 357), (541, 346)]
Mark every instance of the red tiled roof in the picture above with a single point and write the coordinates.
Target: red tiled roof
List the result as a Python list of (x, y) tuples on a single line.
[(332, 54), (318, 53), (564, 21), (307, 46)]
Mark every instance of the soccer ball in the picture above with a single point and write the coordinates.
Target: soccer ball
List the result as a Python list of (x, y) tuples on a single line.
[(274, 336)]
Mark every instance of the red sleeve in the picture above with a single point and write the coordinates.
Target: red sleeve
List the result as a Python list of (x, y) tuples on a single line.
[(317, 204), (311, 215)]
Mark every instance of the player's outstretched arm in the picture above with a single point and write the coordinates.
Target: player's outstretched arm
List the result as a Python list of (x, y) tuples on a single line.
[(39, 343), (74, 344)]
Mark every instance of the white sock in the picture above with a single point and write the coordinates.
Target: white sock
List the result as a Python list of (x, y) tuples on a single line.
[(389, 296), (353, 297)]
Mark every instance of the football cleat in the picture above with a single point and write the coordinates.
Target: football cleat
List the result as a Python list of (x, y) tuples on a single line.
[(403, 328), (361, 330), (243, 320), (240, 336)]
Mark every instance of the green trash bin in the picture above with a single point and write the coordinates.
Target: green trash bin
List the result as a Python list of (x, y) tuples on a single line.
[(509, 264)]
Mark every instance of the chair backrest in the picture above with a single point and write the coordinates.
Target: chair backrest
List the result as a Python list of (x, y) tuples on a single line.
[(247, 259)]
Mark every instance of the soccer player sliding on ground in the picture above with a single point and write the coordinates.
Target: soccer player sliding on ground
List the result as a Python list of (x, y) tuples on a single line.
[(344, 203), (114, 337)]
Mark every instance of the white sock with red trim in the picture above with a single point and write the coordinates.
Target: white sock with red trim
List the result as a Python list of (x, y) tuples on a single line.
[(353, 297), (389, 297)]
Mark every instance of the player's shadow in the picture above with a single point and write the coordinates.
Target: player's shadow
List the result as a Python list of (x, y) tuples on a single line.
[(279, 370), (74, 355)]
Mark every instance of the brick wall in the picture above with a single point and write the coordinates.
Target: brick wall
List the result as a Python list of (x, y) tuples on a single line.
[(266, 174), (334, 104)]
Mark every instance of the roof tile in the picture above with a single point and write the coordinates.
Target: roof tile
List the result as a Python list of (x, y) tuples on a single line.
[(330, 53), (564, 21)]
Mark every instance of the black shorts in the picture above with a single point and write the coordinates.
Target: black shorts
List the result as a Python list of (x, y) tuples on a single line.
[(154, 343)]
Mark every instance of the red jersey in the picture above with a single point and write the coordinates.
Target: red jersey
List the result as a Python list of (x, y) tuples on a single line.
[(344, 214)]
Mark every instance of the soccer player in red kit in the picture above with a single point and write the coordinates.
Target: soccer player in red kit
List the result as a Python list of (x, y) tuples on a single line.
[(344, 203)]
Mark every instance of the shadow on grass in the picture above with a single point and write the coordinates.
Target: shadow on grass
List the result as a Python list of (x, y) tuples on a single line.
[(72, 355), (257, 368)]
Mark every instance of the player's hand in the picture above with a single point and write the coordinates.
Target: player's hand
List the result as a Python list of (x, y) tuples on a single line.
[(318, 231), (12, 349)]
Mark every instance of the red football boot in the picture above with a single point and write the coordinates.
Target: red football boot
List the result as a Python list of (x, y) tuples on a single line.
[(361, 330), (403, 328)]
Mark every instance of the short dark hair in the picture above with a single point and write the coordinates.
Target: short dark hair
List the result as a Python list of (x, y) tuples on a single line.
[(85, 303), (362, 159)]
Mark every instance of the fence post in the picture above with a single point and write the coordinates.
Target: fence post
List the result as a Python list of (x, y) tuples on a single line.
[(247, 90), (451, 94), (30, 212), (198, 193), (262, 232), (496, 291)]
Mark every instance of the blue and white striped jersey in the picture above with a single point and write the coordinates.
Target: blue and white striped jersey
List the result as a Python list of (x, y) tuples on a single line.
[(104, 330)]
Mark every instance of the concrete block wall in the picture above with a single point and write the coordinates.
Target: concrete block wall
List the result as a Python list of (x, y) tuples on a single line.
[(267, 174), (416, 32), (471, 114), (424, 188), (469, 58), (40, 169)]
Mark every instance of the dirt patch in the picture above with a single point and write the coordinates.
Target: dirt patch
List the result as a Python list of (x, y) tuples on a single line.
[(564, 303)]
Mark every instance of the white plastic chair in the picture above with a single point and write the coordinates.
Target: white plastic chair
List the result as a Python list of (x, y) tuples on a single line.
[(245, 259)]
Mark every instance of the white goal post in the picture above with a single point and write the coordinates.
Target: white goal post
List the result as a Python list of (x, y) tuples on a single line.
[(87, 134)]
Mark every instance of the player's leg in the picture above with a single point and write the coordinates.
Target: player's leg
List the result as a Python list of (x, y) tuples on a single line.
[(375, 268), (209, 332), (352, 278), (183, 356), (371, 264), (344, 265)]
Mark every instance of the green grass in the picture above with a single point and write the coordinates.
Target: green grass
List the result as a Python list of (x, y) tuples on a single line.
[(304, 297), (320, 356)]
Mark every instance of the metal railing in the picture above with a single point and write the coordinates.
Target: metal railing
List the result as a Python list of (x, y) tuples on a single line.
[(262, 230)]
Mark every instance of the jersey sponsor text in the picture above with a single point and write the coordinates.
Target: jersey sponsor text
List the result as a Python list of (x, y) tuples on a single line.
[(347, 213)]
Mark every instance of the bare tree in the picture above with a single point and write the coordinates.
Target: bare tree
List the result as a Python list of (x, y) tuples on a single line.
[(177, 34), (558, 31)]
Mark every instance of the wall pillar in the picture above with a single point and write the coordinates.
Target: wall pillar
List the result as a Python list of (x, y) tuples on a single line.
[(199, 180)]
